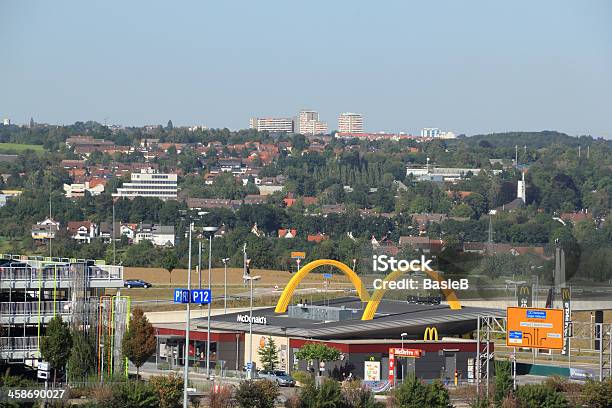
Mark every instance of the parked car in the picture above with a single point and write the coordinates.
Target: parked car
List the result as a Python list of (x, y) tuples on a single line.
[(280, 377), (136, 283)]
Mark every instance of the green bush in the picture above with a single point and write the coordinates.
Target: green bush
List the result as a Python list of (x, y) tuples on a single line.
[(302, 377), (414, 394), (169, 390), (257, 394), (356, 395), (134, 394), (539, 395), (597, 394), (327, 395)]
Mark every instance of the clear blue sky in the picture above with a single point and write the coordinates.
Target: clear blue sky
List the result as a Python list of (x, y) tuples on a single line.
[(466, 66)]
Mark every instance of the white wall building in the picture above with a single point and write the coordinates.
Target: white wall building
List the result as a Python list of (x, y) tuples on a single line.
[(430, 132), (309, 123), (349, 122), (159, 235), (78, 189), (149, 183), (272, 125)]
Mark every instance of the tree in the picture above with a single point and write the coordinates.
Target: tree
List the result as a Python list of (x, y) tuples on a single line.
[(169, 262), (55, 347), (318, 352), (268, 355), (503, 380), (169, 390), (257, 394), (169, 126), (139, 340), (81, 361)]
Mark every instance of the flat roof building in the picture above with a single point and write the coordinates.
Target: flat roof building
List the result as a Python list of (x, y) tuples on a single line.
[(150, 183), (349, 122), (309, 123), (337, 323), (272, 125)]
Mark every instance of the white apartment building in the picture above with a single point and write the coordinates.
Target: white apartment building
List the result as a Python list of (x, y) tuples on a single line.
[(272, 125), (309, 123), (149, 183), (350, 123), (430, 132)]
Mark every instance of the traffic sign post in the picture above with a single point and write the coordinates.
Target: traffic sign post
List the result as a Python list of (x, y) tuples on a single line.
[(201, 296), (198, 296), (535, 328), (181, 296)]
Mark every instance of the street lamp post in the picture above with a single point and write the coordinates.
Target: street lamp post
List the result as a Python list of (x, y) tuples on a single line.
[(187, 324), (224, 260), (211, 231)]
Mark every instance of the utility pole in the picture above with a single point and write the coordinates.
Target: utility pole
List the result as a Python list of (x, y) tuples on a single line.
[(516, 155), (50, 219), (114, 236)]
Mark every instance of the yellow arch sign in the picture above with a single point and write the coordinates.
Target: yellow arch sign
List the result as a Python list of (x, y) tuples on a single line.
[(283, 302), (373, 302), (370, 310)]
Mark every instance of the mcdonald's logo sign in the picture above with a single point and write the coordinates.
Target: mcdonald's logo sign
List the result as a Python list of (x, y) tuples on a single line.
[(431, 334), (565, 294), (523, 294)]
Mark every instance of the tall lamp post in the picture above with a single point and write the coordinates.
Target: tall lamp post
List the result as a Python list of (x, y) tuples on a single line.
[(211, 232), (187, 324), (224, 260)]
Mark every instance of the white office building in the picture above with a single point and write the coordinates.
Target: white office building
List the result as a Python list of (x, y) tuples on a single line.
[(349, 122), (272, 125), (309, 123), (149, 183)]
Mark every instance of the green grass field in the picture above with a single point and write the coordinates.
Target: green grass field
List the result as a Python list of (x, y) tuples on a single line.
[(18, 147)]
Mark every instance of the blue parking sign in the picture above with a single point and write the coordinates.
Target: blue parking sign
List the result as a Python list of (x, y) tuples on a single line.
[(181, 296), (201, 296)]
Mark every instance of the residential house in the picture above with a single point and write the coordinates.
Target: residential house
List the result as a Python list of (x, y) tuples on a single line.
[(77, 190), (287, 233), (424, 244), (159, 235), (46, 229), (83, 231), (317, 238)]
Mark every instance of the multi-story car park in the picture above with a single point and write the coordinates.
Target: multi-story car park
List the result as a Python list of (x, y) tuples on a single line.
[(35, 289)]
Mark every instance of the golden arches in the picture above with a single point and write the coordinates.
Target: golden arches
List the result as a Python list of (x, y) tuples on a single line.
[(283, 302), (373, 302), (370, 310)]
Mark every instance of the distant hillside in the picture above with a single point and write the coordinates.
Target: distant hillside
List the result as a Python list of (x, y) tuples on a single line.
[(531, 139)]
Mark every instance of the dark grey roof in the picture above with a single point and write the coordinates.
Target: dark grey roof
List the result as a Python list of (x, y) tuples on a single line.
[(392, 318)]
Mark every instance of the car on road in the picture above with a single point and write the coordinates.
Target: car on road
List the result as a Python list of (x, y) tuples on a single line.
[(136, 283), (280, 377)]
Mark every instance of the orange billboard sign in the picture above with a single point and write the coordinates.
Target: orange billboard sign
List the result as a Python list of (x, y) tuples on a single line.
[(531, 327)]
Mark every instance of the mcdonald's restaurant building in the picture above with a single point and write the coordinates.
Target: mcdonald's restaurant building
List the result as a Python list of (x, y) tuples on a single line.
[(428, 341)]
